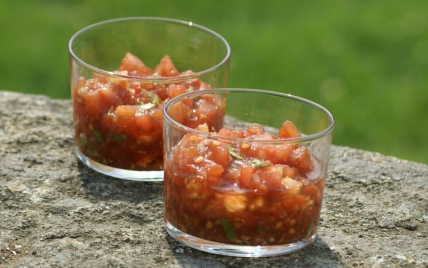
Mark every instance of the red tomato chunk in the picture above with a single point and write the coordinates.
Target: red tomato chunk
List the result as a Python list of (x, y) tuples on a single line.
[(118, 122), (248, 193)]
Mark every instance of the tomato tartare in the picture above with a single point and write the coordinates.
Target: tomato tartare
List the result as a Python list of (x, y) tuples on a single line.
[(118, 121), (230, 187)]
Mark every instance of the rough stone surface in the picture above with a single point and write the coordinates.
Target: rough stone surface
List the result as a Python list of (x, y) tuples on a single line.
[(56, 212)]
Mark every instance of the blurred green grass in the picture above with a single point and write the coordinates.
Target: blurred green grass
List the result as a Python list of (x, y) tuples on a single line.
[(366, 61)]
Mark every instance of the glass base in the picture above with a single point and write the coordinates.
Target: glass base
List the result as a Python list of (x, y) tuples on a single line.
[(236, 250), (124, 174)]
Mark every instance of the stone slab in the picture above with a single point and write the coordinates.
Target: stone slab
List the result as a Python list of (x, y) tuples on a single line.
[(56, 212)]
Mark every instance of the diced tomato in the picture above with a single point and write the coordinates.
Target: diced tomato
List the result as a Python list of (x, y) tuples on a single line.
[(142, 120), (292, 186), (204, 86), (288, 171), (179, 112), (81, 82), (293, 203), (253, 129), (175, 90), (160, 91), (134, 66), (263, 136), (214, 170), (184, 142), (203, 128), (280, 154), (263, 152), (234, 203), (93, 105), (229, 177), (301, 158), (191, 83), (288, 130), (232, 133), (126, 111), (220, 154), (142, 97), (166, 68), (101, 78), (246, 179), (120, 82), (208, 110), (312, 191), (156, 114), (189, 102), (271, 176)]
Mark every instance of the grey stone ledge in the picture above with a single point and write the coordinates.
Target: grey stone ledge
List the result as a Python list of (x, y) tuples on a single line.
[(55, 212)]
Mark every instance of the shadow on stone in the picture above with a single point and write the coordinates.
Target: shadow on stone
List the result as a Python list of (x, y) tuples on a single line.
[(99, 187), (316, 255)]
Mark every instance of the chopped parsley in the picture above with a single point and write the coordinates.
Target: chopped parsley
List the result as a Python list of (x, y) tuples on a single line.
[(92, 152), (97, 136), (228, 230), (261, 164), (154, 101), (233, 152), (83, 141), (311, 225), (147, 106), (119, 138)]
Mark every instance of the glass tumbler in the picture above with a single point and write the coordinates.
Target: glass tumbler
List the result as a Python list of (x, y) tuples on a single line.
[(245, 177), (123, 71)]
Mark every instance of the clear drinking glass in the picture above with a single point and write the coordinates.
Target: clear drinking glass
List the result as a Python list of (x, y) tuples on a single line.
[(245, 190), (123, 71)]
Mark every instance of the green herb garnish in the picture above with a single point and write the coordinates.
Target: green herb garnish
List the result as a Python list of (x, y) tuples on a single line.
[(260, 228), (228, 230), (83, 141), (97, 136), (261, 164), (119, 138), (147, 106), (154, 101), (92, 152), (311, 225), (233, 152)]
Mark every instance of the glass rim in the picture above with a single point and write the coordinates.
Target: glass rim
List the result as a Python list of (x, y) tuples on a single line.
[(300, 139), (150, 78)]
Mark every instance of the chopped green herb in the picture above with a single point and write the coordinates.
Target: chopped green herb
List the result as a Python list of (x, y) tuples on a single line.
[(228, 230), (83, 141), (97, 136), (311, 225), (233, 152), (261, 164), (260, 228), (119, 138), (147, 106), (92, 152), (155, 100)]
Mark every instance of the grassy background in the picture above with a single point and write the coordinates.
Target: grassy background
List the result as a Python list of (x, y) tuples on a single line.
[(366, 61)]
